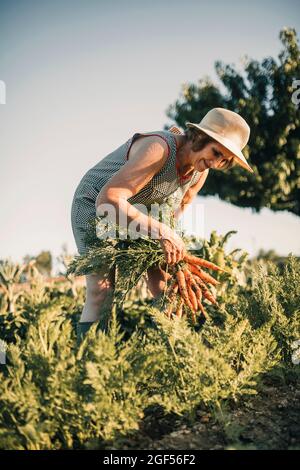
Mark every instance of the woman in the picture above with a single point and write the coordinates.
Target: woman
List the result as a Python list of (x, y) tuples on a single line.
[(150, 168)]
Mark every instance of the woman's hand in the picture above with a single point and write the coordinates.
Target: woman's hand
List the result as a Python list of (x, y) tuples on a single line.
[(173, 246)]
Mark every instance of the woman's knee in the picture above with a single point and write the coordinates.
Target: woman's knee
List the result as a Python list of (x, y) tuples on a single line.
[(157, 279), (98, 297), (98, 288)]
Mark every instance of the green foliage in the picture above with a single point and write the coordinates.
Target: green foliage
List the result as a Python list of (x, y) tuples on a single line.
[(54, 395), (128, 255), (276, 302), (44, 262), (262, 94)]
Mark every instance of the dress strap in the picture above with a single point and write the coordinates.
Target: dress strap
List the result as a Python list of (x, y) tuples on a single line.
[(165, 135)]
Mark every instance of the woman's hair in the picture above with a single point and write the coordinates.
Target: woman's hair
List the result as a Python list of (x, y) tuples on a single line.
[(200, 139)]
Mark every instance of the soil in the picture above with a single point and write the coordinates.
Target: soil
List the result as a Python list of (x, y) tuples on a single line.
[(268, 420)]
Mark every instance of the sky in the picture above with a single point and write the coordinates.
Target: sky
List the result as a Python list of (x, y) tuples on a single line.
[(83, 76)]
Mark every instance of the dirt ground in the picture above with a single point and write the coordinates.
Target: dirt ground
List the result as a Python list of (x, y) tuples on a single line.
[(268, 420)]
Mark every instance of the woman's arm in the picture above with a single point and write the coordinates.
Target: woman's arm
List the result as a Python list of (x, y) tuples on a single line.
[(129, 180), (191, 193)]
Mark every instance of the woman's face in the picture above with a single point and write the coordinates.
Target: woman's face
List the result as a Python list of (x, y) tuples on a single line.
[(213, 156)]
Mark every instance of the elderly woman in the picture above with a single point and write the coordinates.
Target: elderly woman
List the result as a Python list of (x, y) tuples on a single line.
[(149, 168)]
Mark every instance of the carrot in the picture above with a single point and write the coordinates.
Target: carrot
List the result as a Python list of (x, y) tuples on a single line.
[(206, 292), (201, 262), (194, 318), (172, 289), (198, 292), (204, 276), (194, 283), (188, 275), (168, 312), (203, 311), (179, 308), (200, 283), (189, 283), (192, 297), (168, 288), (208, 295), (183, 289)]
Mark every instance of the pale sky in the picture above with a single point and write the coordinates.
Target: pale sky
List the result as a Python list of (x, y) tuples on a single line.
[(83, 76)]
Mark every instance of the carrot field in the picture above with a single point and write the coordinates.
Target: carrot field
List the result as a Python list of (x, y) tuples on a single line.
[(227, 381)]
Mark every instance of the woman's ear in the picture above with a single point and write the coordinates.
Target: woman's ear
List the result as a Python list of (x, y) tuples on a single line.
[(230, 165)]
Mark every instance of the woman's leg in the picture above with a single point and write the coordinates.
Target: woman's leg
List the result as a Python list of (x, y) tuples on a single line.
[(98, 302), (156, 281)]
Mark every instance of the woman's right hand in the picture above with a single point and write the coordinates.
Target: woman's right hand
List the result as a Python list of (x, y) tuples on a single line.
[(173, 246)]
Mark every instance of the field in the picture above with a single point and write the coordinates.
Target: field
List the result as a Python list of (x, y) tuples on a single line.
[(229, 382)]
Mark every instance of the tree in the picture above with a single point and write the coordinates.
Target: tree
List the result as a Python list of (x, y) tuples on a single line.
[(44, 262), (262, 94)]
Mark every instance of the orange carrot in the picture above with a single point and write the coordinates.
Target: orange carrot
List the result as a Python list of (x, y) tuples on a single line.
[(200, 283), (208, 295), (194, 318), (183, 289), (169, 287), (172, 290), (188, 276), (204, 276), (194, 281), (203, 311), (206, 292), (192, 297), (201, 262), (168, 311), (189, 283), (198, 292), (175, 289), (179, 308)]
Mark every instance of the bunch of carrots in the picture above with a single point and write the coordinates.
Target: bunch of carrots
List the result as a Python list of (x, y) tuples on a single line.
[(190, 287)]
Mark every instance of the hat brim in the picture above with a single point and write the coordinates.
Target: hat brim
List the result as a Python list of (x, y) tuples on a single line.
[(228, 144)]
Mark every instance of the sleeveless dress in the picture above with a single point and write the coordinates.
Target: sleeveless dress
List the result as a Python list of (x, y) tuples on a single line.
[(165, 186)]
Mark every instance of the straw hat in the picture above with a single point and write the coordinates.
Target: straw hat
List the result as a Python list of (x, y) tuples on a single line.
[(229, 129)]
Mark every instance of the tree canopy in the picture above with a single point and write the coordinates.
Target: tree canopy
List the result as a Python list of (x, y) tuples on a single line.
[(43, 262), (262, 93)]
